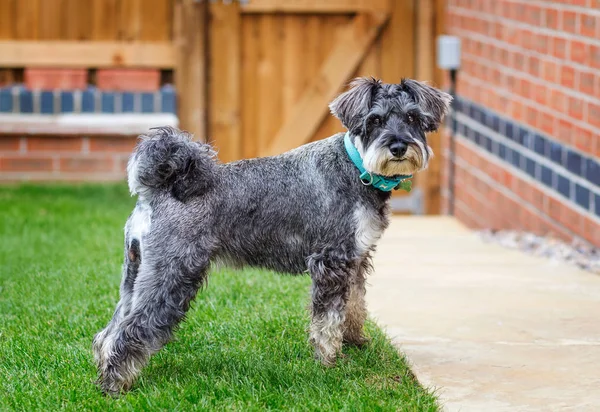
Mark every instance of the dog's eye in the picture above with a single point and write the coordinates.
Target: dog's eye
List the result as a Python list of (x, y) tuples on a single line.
[(376, 121), (410, 118)]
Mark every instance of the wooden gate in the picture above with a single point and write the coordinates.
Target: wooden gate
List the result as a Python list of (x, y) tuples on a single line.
[(274, 65)]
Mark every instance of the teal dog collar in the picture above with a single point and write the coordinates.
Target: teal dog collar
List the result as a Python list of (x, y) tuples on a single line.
[(383, 183)]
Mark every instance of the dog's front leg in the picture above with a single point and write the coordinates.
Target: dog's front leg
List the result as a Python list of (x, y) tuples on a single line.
[(331, 278), (356, 308)]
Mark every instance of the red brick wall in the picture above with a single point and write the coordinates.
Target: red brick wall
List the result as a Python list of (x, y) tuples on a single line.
[(537, 63), (60, 158)]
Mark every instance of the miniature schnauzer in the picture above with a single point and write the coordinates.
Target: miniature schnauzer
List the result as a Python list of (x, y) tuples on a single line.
[(308, 210)]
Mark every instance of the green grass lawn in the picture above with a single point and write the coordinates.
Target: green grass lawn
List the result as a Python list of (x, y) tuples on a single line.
[(244, 344)]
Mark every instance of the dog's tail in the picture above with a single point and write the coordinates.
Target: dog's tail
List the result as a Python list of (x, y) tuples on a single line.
[(168, 160)]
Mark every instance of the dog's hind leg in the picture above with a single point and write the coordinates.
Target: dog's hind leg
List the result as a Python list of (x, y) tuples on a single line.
[(331, 276), (131, 265), (162, 294), (356, 310)]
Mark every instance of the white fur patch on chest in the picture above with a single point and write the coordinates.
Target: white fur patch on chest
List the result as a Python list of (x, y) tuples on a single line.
[(139, 223), (369, 228)]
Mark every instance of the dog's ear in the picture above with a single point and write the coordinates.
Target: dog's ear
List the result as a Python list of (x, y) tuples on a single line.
[(352, 106), (433, 102)]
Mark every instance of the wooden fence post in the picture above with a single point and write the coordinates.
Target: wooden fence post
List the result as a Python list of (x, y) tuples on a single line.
[(224, 90), (191, 71), (427, 28)]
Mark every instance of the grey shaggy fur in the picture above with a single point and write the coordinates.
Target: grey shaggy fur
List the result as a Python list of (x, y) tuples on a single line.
[(303, 211)]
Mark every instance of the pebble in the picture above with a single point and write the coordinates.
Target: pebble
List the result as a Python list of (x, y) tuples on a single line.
[(578, 252)]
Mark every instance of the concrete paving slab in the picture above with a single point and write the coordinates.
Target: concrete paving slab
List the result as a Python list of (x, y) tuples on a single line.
[(491, 329)]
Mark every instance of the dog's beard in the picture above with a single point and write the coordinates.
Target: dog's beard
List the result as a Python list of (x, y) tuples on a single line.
[(379, 160)]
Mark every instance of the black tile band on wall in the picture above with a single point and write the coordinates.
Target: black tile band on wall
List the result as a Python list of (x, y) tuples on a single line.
[(18, 100), (569, 172)]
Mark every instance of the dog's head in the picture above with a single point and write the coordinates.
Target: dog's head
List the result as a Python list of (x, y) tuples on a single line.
[(390, 122)]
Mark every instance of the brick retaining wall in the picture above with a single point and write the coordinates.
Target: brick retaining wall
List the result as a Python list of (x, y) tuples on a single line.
[(60, 158), (528, 140)]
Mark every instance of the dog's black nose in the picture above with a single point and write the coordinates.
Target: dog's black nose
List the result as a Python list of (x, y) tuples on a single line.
[(398, 149)]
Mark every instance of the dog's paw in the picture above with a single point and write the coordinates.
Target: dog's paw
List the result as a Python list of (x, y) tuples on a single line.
[(327, 359), (112, 383)]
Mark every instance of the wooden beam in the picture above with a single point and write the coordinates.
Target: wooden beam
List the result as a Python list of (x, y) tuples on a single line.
[(352, 43), (21, 53), (398, 43), (315, 6), (225, 80), (429, 180), (190, 77)]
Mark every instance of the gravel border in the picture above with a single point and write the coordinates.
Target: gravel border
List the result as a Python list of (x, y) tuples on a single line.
[(577, 253)]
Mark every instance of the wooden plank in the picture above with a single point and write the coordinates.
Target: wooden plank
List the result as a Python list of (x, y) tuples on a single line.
[(50, 19), (7, 31), (269, 80), (129, 19), (27, 23), (428, 180), (225, 77), (86, 54), (156, 20), (370, 66), (250, 51), (425, 40), (7, 19), (315, 6), (352, 43), (319, 39), (314, 43), (330, 26), (76, 20), (398, 43), (104, 20), (433, 205), (293, 64), (440, 29), (398, 50), (190, 76)]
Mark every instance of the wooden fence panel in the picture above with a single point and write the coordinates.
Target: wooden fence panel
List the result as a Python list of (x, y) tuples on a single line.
[(329, 29), (250, 36), (270, 75), (7, 20), (225, 79), (190, 20), (127, 20), (79, 20), (104, 20), (26, 18)]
